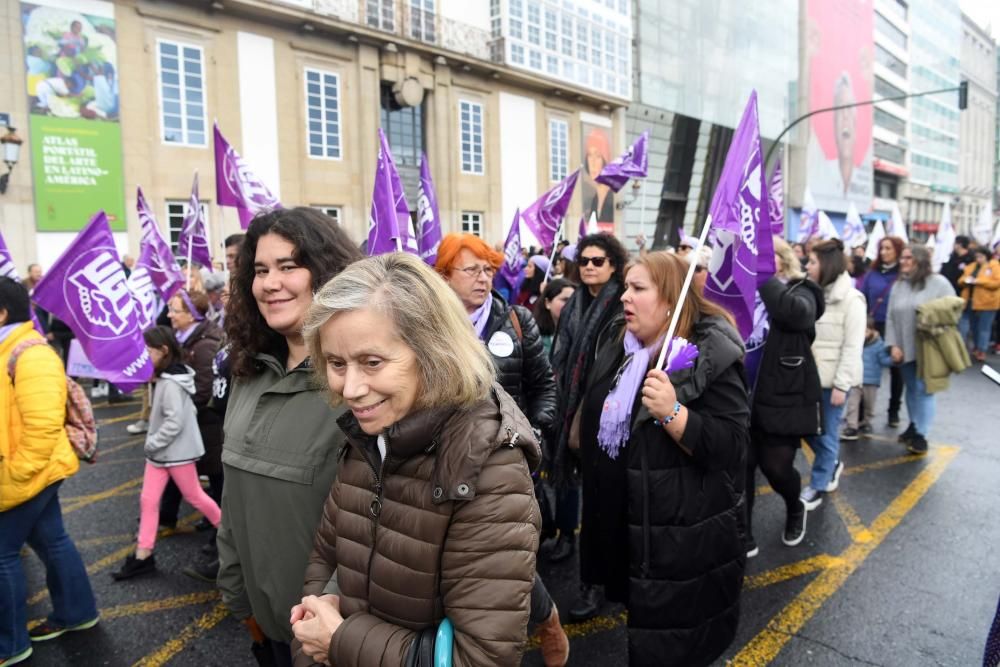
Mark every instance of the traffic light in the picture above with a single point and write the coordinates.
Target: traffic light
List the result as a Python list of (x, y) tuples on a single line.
[(963, 95)]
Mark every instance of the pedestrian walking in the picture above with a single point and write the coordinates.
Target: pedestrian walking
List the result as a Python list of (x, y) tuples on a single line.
[(917, 285), (875, 286), (663, 517), (281, 437), (549, 308), (173, 446), (787, 395), (840, 335), (534, 280), (432, 514), (35, 458), (875, 357), (981, 292)]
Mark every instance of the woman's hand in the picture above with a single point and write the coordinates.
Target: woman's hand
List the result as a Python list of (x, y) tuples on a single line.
[(837, 398), (658, 394), (896, 353), (314, 621)]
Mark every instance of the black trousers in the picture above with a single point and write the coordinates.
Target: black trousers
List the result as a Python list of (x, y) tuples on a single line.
[(170, 503), (775, 454), (895, 379)]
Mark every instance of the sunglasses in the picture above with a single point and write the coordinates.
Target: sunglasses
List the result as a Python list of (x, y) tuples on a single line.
[(596, 261)]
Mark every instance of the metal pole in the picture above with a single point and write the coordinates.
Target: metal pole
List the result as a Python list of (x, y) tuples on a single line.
[(680, 300)]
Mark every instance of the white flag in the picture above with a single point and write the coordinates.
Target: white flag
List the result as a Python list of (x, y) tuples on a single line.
[(896, 225), (945, 239), (878, 233), (983, 230), (827, 230), (854, 228)]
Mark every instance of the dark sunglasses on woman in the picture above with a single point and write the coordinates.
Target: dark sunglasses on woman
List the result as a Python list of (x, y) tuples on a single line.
[(597, 261)]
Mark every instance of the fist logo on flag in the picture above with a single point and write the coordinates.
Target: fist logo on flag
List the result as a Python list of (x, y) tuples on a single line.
[(102, 292), (7, 268), (241, 178), (146, 294)]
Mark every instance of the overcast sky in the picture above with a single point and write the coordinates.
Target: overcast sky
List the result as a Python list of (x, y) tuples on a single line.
[(984, 12)]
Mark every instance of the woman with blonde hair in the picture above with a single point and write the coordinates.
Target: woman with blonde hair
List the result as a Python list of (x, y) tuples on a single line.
[(432, 514), (662, 455)]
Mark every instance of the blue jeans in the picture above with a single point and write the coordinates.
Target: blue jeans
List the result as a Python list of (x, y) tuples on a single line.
[(980, 323), (39, 523), (826, 446), (919, 403)]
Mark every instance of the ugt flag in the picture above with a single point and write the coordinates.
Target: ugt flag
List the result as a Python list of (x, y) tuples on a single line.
[(776, 200), (389, 223), (159, 261), (511, 271), (854, 228), (808, 217), (428, 217), (588, 227), (192, 242), (743, 256), (945, 241), (544, 218), (147, 296), (633, 164), (7, 267), (86, 288), (237, 185)]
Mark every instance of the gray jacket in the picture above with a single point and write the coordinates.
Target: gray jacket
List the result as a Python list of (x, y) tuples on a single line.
[(173, 437), (280, 459), (901, 317)]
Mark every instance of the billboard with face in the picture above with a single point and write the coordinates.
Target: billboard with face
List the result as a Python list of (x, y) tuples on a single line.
[(839, 48)]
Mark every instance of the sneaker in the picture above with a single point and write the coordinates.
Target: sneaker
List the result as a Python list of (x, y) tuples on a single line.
[(835, 482), (134, 567), (795, 526), (908, 434), (99, 391), (849, 434), (138, 428), (865, 430), (207, 572), (752, 549), (811, 498), (893, 420), (553, 640), (15, 659), (917, 445), (587, 604), (47, 630)]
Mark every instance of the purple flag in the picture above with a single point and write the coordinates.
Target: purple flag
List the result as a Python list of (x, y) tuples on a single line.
[(192, 242), (427, 215), (511, 271), (160, 261), (147, 296), (7, 267), (544, 217), (237, 185), (86, 288), (583, 226), (633, 164), (743, 256), (776, 200), (390, 214)]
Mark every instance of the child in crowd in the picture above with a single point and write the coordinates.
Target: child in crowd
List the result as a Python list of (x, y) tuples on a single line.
[(875, 356), (173, 445)]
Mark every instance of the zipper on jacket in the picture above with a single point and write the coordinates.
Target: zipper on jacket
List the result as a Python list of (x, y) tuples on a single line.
[(644, 568), (375, 509)]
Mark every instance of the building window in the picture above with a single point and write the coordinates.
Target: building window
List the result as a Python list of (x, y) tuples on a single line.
[(558, 149), (404, 128), (895, 65), (322, 114), (891, 32), (182, 93), (890, 122), (472, 223), (422, 20), (381, 14), (176, 210), (886, 187), (332, 211), (471, 136), (889, 152), (885, 89)]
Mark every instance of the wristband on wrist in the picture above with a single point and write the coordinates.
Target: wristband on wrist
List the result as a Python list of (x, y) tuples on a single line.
[(669, 418)]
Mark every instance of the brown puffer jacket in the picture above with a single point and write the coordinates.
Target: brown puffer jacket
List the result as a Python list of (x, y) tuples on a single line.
[(451, 530)]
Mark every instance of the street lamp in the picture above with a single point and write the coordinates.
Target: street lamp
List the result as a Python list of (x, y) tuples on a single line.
[(11, 152)]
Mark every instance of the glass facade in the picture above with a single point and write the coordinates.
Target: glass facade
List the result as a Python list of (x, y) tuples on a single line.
[(702, 59), (936, 40)]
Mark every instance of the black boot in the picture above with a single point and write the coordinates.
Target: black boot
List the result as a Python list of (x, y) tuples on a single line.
[(907, 435), (587, 605), (133, 567), (917, 444), (564, 548), (206, 572)]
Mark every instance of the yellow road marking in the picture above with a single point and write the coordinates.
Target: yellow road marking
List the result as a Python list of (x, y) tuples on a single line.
[(74, 503), (128, 443), (791, 571), (203, 624), (594, 625), (115, 420), (765, 489), (858, 530), (149, 606), (763, 648)]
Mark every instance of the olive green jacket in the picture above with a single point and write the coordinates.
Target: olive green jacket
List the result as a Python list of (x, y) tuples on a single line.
[(280, 459), (940, 348)]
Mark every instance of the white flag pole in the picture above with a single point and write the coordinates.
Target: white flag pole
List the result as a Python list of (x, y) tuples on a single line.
[(555, 247), (684, 292), (189, 267), (642, 212)]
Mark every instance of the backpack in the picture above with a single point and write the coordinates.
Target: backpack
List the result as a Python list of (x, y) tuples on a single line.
[(80, 425)]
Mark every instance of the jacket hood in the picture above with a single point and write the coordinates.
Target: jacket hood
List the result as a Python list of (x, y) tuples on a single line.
[(463, 439), (839, 288), (182, 375), (719, 347)]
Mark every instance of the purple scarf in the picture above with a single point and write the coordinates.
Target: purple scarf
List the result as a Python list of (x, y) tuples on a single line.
[(616, 418), (482, 315)]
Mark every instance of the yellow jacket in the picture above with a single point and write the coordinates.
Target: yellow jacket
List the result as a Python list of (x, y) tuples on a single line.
[(986, 295), (34, 449)]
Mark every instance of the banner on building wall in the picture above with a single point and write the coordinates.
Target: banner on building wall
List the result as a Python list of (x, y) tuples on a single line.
[(71, 74), (839, 46), (596, 197)]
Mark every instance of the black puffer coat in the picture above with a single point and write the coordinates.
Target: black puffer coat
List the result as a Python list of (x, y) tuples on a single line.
[(523, 369)]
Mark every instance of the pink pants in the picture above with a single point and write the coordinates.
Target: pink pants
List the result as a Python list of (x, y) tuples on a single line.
[(154, 481)]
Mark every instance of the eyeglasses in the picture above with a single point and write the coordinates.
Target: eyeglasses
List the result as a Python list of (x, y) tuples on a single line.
[(596, 261), (906, 256), (474, 271)]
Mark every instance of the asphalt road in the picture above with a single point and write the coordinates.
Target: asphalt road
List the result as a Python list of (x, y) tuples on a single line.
[(898, 566)]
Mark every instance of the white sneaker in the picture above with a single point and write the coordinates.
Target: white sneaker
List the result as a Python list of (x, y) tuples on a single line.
[(811, 498), (140, 426), (835, 482), (99, 391)]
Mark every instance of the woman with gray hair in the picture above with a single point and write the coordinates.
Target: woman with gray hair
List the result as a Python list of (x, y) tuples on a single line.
[(433, 513)]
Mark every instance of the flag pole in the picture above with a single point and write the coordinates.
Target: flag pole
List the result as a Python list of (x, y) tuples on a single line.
[(555, 247), (680, 300), (642, 212), (189, 267)]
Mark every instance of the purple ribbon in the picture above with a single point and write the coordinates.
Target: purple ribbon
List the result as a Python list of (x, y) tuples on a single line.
[(195, 313)]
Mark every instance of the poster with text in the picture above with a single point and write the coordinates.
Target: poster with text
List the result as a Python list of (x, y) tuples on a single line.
[(71, 75), (839, 50), (596, 196)]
